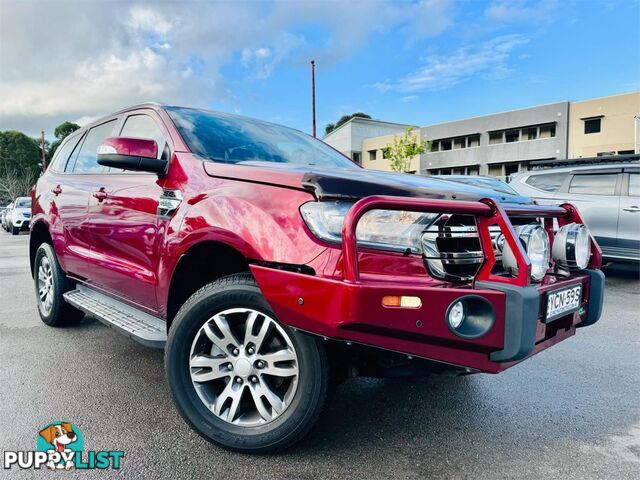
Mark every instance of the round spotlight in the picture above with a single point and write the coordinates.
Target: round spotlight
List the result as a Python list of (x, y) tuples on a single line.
[(572, 246), (535, 240), (456, 315), (470, 316)]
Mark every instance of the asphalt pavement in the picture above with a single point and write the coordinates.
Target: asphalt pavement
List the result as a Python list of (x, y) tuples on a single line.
[(573, 411)]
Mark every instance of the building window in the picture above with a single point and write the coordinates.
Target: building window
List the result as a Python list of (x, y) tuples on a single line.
[(435, 146), (473, 141), (357, 157), (530, 133), (495, 138), (446, 144), (548, 130), (372, 154), (459, 142), (592, 125), (625, 152), (602, 184), (510, 168), (512, 136)]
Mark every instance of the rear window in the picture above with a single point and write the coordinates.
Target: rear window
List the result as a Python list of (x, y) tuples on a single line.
[(595, 184), (634, 185), (549, 182)]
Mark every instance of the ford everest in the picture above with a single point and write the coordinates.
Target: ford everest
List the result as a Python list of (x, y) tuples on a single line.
[(269, 266)]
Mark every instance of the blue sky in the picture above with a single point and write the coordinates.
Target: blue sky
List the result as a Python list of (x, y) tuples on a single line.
[(420, 62)]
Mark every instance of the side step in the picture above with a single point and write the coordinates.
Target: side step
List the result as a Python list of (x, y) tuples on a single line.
[(136, 324)]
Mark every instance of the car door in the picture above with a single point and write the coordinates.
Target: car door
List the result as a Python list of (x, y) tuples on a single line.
[(596, 195), (125, 224), (628, 239), (70, 190)]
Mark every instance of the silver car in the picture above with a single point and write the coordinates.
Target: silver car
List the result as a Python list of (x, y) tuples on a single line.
[(606, 195)]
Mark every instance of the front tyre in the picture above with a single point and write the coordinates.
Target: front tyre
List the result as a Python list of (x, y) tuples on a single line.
[(239, 377), (50, 283)]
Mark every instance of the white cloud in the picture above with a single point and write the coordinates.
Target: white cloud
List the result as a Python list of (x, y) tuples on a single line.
[(409, 98), (89, 58), (509, 11), (488, 59)]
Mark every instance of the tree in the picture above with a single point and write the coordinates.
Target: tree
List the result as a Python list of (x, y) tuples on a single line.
[(19, 152), (14, 183), (61, 132), (330, 127), (403, 149)]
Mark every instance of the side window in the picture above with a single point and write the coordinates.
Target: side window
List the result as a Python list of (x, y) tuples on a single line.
[(87, 161), (596, 184), (143, 126), (63, 153), (549, 182), (634, 184)]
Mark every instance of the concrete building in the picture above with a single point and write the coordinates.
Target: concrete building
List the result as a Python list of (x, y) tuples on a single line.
[(348, 137), (604, 126), (504, 143), (500, 144)]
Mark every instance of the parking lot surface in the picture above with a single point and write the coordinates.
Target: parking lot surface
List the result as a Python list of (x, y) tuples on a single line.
[(570, 412)]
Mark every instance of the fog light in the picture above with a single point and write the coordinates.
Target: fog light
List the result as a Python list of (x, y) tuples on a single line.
[(572, 246), (471, 316), (456, 315)]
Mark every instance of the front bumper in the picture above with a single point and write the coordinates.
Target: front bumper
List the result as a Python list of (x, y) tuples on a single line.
[(354, 312), (350, 308)]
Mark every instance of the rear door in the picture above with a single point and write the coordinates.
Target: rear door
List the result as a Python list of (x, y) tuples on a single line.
[(596, 194), (125, 223), (629, 216)]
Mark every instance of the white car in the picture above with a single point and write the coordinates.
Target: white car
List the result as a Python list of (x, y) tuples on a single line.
[(19, 216), (606, 195)]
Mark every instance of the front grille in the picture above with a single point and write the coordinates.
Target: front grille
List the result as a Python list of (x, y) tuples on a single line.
[(452, 249)]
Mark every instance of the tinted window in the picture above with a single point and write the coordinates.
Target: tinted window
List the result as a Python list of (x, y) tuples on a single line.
[(592, 126), (63, 153), (86, 160), (634, 184), (597, 184), (229, 139), (143, 126), (23, 203), (549, 182)]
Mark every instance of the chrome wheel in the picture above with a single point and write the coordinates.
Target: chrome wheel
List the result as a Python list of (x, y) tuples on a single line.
[(45, 285), (244, 367)]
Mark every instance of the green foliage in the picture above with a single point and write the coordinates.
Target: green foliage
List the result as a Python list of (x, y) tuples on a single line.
[(61, 132), (343, 119), (18, 152), (403, 149)]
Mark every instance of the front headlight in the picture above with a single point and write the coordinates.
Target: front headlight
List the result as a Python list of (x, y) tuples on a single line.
[(386, 229), (535, 240), (572, 247)]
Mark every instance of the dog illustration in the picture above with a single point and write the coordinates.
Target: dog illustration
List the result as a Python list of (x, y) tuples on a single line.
[(60, 436)]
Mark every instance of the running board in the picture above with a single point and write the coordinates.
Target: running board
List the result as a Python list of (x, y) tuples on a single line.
[(134, 323)]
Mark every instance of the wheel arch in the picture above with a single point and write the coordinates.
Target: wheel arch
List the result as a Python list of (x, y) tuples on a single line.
[(39, 235)]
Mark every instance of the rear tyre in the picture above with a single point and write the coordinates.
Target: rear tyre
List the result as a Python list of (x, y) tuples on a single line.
[(238, 376), (15, 230), (50, 283)]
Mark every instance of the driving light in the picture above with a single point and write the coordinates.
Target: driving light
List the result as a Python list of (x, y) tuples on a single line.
[(572, 247), (471, 316), (456, 315), (386, 229), (535, 240)]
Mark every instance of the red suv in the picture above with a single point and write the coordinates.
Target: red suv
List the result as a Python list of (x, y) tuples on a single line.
[(269, 266)]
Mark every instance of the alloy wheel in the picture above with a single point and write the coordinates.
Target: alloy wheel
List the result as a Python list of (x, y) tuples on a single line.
[(244, 367), (45, 285)]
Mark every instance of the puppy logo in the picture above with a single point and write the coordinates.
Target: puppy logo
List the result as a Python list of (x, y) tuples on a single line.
[(60, 438)]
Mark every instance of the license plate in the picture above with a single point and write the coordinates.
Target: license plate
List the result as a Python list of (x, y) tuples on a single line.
[(563, 301)]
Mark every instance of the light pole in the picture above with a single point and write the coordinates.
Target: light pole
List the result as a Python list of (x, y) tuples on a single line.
[(313, 96), (636, 119)]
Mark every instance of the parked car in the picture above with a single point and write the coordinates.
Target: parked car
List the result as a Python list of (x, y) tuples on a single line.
[(20, 215), (482, 181), (607, 197), (5, 217), (270, 266)]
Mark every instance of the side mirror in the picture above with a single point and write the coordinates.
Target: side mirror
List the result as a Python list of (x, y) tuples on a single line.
[(138, 154)]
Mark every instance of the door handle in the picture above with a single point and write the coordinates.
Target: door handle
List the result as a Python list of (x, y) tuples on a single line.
[(57, 190), (100, 194), (633, 208)]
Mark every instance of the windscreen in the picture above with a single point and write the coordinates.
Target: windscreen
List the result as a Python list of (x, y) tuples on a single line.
[(23, 203), (230, 139)]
